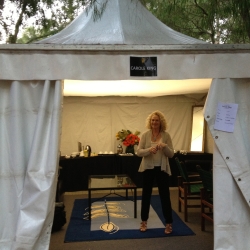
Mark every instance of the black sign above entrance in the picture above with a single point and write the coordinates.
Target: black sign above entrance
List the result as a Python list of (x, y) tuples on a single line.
[(143, 66)]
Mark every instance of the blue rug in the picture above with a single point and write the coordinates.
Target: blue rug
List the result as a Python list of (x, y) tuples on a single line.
[(122, 224)]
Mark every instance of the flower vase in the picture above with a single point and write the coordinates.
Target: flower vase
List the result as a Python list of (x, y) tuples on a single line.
[(130, 149)]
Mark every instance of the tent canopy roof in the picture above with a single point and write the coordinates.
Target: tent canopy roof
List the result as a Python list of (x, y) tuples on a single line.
[(122, 22)]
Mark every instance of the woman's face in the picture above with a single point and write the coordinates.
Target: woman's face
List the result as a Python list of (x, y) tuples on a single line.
[(155, 122)]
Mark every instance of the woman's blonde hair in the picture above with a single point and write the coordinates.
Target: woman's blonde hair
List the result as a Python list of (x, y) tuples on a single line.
[(163, 121)]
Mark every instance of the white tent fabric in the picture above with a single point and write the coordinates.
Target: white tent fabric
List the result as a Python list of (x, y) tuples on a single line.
[(112, 63), (122, 22), (30, 136), (231, 166)]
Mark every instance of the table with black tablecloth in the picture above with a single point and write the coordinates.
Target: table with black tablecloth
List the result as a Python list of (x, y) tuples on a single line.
[(75, 171)]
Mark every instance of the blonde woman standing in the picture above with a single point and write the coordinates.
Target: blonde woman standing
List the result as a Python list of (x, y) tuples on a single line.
[(156, 147)]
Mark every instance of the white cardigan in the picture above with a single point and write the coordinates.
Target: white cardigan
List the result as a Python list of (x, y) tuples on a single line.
[(147, 160)]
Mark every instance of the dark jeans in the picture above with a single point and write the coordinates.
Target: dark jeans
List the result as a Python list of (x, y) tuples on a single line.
[(162, 179)]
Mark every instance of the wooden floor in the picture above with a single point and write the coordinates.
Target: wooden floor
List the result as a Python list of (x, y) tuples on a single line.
[(202, 240)]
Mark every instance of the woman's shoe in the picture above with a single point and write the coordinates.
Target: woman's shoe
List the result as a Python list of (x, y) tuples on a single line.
[(143, 227), (168, 229)]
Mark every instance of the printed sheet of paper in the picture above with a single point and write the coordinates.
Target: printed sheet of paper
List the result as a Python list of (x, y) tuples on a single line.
[(226, 116)]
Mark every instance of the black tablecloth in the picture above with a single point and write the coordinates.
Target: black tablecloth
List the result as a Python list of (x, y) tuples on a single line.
[(74, 172)]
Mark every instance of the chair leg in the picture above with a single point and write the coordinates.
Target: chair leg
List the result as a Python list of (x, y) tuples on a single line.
[(202, 223), (185, 205), (203, 210), (179, 202), (202, 218)]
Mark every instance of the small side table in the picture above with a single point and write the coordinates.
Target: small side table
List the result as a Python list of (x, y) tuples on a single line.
[(111, 182)]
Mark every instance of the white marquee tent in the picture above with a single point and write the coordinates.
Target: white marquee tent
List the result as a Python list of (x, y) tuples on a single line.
[(31, 109)]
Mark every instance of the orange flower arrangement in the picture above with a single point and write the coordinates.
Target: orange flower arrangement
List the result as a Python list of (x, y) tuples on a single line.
[(131, 139), (128, 138)]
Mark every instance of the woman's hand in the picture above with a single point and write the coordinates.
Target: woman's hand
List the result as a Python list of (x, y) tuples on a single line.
[(153, 150), (161, 146)]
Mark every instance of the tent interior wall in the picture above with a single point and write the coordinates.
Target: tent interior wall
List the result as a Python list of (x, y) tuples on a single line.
[(96, 120)]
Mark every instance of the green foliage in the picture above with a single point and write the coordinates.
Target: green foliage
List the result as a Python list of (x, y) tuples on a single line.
[(215, 21), (15, 13), (98, 9), (61, 14)]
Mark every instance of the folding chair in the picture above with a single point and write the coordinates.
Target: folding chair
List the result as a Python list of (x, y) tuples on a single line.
[(206, 196), (188, 189)]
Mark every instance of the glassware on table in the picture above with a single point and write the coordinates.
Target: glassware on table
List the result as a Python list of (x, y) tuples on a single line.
[(119, 181)]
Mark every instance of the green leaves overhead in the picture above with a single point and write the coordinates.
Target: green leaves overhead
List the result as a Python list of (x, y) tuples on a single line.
[(215, 21), (40, 18)]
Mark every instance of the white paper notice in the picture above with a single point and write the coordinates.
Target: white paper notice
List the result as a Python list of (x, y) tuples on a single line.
[(225, 116)]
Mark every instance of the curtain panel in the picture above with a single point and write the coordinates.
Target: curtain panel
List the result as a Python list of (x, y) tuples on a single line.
[(231, 165), (30, 125)]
